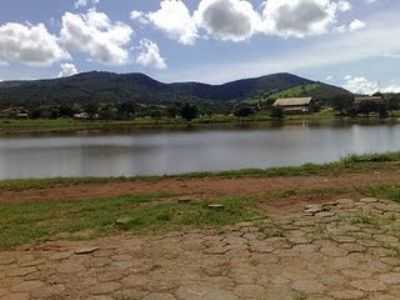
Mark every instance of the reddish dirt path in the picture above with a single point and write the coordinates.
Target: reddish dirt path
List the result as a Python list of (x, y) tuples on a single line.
[(204, 187)]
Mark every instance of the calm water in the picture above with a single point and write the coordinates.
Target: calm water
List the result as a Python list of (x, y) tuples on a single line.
[(150, 153)]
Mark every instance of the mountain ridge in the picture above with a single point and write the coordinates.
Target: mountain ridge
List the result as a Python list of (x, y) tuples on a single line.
[(100, 86)]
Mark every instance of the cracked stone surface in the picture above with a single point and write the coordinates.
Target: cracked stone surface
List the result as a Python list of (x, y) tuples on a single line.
[(348, 249)]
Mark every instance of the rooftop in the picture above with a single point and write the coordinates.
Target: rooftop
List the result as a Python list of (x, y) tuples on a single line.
[(298, 101)]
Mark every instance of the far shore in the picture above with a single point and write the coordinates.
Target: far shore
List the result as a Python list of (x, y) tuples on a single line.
[(64, 125)]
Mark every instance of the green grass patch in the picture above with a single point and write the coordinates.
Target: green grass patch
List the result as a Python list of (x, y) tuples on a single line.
[(32, 222), (390, 192), (297, 91), (364, 219)]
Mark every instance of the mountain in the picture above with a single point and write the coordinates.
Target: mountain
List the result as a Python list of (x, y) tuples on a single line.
[(93, 87)]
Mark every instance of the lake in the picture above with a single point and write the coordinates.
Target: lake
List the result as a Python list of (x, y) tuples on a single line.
[(174, 152)]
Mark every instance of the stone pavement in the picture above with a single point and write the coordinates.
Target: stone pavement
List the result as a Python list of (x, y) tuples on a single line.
[(342, 250)]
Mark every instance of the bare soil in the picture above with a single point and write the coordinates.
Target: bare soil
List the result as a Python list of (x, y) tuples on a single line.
[(284, 194)]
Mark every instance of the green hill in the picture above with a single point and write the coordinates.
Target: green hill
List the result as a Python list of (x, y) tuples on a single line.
[(320, 91), (104, 87)]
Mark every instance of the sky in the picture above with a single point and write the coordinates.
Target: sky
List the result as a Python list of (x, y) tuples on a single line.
[(350, 43)]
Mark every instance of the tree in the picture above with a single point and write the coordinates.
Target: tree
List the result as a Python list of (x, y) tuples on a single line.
[(393, 102), (342, 104), (107, 111), (67, 111), (243, 111), (277, 113), (378, 94), (91, 110), (126, 109), (383, 112), (189, 112), (156, 114), (172, 111)]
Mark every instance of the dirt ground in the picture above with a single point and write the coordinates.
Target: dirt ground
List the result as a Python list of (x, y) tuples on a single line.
[(346, 249), (311, 246), (204, 187)]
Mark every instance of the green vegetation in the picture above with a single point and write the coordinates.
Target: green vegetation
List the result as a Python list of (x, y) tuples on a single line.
[(28, 222), (33, 222), (297, 91), (352, 163), (60, 125), (104, 87), (391, 192)]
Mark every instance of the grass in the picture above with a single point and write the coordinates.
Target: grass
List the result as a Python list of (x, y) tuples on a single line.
[(35, 222), (391, 192), (364, 219), (24, 223), (352, 163)]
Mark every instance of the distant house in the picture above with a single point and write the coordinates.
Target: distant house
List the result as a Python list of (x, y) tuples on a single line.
[(14, 113), (22, 115), (367, 104), (295, 105), (369, 99), (81, 116)]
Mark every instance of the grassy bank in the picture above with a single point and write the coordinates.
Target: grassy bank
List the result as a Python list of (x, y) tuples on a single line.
[(31, 222), (36, 222), (27, 223), (352, 163)]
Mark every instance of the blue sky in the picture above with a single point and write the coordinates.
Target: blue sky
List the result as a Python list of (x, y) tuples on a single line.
[(349, 43)]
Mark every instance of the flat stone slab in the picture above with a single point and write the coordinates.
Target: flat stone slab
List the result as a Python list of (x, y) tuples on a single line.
[(347, 295), (157, 296), (86, 251), (369, 200), (124, 220), (216, 206), (313, 208), (204, 293), (332, 254), (369, 285)]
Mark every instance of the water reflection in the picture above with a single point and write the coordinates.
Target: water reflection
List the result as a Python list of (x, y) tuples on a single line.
[(148, 153)]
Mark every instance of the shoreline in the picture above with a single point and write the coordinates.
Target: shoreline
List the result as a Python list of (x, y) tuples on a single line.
[(12, 127), (33, 212), (350, 163)]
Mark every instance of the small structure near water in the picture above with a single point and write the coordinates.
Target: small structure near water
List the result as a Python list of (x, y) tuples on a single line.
[(368, 104), (369, 99), (14, 113), (295, 105)]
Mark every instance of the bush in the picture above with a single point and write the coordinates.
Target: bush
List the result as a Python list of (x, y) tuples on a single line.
[(244, 111), (277, 113), (189, 112)]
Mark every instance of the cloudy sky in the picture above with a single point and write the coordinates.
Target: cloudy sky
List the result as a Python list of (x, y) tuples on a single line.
[(352, 43)]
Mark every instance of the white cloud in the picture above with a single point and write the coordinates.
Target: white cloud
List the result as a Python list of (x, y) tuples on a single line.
[(330, 78), (29, 44), (234, 20), (149, 55), (238, 20), (175, 20), (84, 3), (374, 41), (344, 5), (95, 34), (356, 24), (299, 18), (67, 70), (362, 85), (139, 16)]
